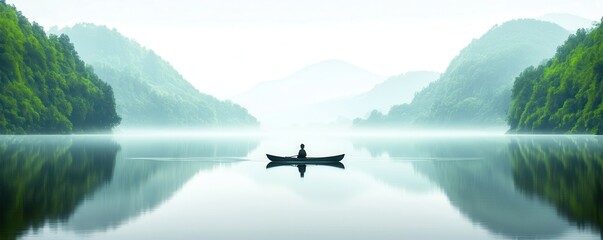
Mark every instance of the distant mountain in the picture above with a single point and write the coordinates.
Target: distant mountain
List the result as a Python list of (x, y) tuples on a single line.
[(475, 90), (392, 91), (44, 86), (568, 21), (319, 82), (564, 95), (149, 92)]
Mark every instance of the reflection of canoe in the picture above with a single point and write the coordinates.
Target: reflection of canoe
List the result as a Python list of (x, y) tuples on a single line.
[(309, 160), (329, 164)]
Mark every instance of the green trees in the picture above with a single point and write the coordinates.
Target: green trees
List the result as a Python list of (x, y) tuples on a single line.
[(564, 95), (149, 92), (475, 89), (44, 86)]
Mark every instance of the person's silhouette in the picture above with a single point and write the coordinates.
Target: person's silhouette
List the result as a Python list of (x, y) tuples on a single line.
[(302, 152)]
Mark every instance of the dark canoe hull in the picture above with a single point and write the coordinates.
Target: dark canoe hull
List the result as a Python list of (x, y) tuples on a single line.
[(328, 164), (310, 160)]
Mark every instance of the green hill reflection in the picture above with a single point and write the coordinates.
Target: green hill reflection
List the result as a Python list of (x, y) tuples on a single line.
[(565, 171), (479, 179), (149, 171), (43, 179)]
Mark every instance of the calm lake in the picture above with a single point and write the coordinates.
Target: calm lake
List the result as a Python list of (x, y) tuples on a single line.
[(219, 187)]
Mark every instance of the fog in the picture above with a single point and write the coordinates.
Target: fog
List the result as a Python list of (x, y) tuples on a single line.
[(302, 133)]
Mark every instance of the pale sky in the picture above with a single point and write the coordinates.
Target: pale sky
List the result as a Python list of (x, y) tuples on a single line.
[(224, 47)]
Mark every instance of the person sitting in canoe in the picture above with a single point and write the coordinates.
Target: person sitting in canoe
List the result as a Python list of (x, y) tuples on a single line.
[(302, 152)]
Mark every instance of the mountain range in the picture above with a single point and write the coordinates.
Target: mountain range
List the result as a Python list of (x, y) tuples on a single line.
[(316, 83), (149, 92), (332, 91), (475, 89), (394, 90)]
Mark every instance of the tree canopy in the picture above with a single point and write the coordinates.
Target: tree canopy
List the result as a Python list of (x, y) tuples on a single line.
[(564, 95)]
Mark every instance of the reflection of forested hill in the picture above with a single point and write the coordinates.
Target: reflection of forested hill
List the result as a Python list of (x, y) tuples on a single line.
[(148, 172), (568, 172), (44, 178), (476, 177), (138, 186)]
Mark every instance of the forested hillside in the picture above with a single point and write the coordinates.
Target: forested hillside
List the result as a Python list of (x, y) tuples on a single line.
[(149, 92), (475, 90), (564, 95), (44, 86)]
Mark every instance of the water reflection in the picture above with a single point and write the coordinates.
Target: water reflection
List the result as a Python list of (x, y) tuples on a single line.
[(565, 171), (301, 168), (43, 179), (426, 188), (148, 172), (477, 178)]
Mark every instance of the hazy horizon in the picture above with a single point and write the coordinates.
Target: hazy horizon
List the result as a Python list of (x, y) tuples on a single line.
[(224, 49)]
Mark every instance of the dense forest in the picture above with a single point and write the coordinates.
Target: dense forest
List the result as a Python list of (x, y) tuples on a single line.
[(149, 92), (45, 86), (564, 95), (475, 90)]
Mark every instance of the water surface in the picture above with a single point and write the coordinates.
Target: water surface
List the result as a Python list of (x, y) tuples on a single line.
[(219, 187)]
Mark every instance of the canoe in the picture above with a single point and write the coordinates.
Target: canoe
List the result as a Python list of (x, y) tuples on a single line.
[(309, 160), (328, 164)]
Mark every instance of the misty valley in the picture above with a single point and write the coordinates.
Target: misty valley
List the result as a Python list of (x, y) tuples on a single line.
[(103, 136)]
